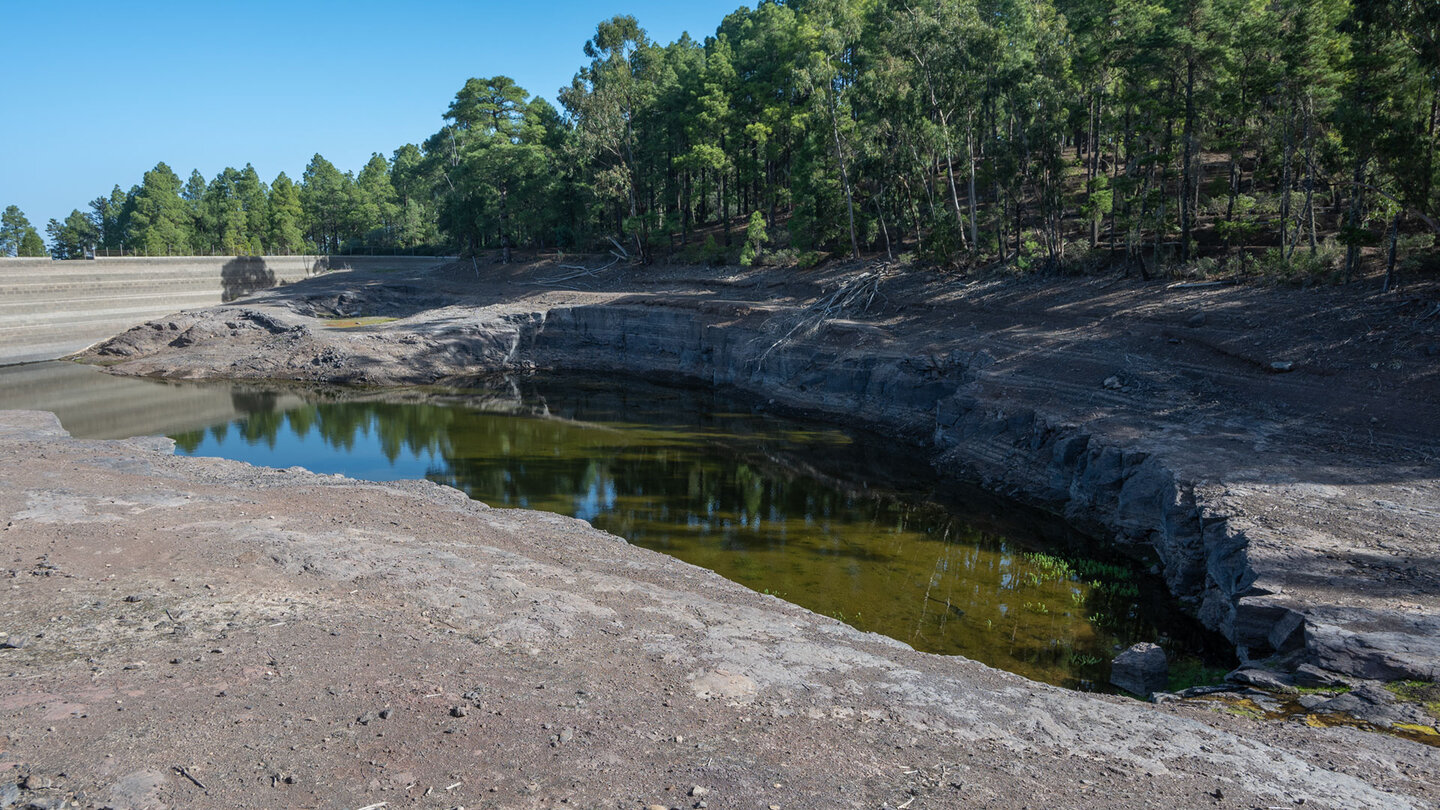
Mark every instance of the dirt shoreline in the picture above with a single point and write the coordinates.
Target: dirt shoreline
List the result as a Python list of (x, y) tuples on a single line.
[(189, 632), (1275, 449)]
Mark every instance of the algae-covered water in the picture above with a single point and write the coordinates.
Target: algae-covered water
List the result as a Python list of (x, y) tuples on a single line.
[(846, 524)]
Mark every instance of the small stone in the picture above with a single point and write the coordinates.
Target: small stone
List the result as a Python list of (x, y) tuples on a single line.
[(458, 711), (386, 714), (656, 807), (1282, 366), (698, 791), (14, 642), (9, 794), (567, 735), (134, 597), (367, 718), (1113, 383), (35, 782)]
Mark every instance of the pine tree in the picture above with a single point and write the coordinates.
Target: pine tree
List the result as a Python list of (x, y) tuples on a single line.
[(160, 223), (283, 234)]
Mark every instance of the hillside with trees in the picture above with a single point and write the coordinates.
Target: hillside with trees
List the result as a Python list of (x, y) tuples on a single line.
[(1295, 135)]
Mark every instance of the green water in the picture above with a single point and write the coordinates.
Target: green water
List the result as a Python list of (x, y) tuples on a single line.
[(846, 524)]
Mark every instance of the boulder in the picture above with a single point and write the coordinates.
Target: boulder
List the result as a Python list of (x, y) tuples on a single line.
[(1141, 670)]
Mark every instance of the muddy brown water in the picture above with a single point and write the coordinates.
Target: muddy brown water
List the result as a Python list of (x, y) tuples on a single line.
[(844, 523)]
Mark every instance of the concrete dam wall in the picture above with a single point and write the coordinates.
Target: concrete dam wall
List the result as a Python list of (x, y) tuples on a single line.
[(50, 309)]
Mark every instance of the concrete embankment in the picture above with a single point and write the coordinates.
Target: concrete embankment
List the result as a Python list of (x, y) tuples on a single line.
[(50, 309)]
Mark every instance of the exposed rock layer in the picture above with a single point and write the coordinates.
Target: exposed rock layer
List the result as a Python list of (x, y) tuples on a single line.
[(1260, 506)]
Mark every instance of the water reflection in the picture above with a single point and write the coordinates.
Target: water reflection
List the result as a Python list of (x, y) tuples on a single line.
[(821, 517)]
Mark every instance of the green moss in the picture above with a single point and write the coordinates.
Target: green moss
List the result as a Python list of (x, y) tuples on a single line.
[(1423, 693), (1245, 707), (1322, 690)]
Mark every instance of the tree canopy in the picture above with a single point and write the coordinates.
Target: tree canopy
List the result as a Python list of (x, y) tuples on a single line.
[(962, 132)]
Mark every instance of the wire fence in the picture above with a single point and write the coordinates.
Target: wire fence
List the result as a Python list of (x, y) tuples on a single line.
[(426, 251)]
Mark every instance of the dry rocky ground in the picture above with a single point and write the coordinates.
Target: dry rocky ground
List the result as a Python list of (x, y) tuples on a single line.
[(198, 633)]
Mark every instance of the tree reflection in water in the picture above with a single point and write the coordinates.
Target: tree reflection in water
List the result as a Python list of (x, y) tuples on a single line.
[(817, 516)]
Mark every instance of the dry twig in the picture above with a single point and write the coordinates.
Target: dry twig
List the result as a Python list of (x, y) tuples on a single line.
[(180, 769)]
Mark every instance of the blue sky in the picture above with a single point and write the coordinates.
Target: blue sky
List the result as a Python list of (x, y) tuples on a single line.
[(96, 93)]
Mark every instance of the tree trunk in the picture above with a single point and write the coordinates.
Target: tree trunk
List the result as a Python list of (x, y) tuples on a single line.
[(504, 224), (1352, 250), (1285, 182), (844, 173), (1394, 244), (970, 151)]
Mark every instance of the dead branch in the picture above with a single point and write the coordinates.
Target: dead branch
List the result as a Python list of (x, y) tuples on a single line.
[(855, 295), (580, 272)]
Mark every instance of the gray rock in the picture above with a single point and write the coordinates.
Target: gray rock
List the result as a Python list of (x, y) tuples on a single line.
[(9, 794), (367, 718), (1262, 679), (1315, 677), (1376, 705), (1140, 670), (1282, 366), (1198, 319), (139, 790), (1391, 647), (1201, 691), (459, 711), (1113, 383), (14, 642)]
